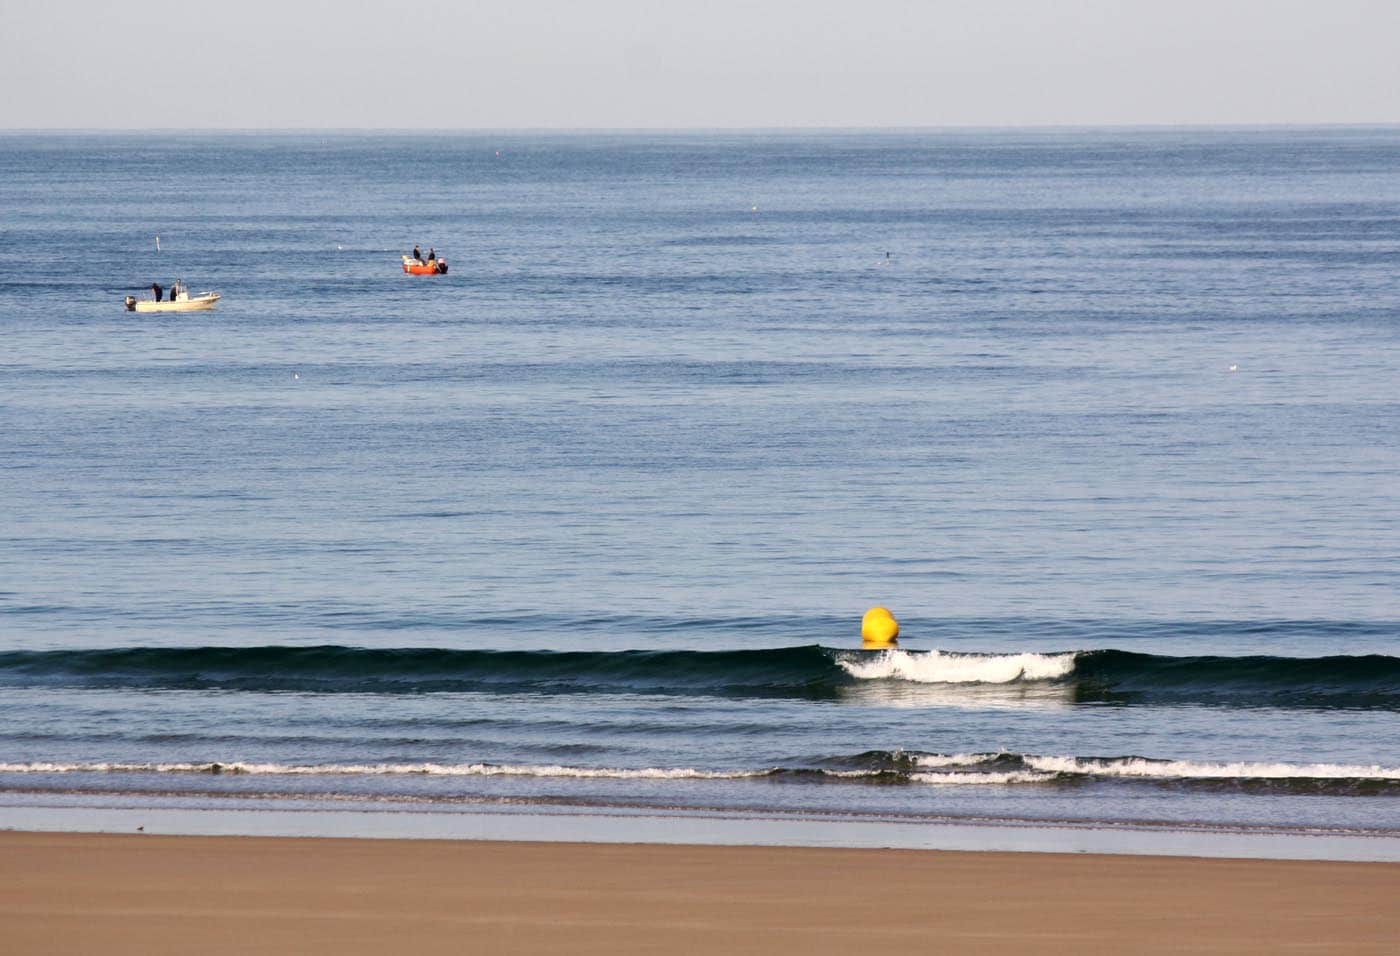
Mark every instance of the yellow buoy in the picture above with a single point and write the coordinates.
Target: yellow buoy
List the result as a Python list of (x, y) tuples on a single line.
[(879, 628)]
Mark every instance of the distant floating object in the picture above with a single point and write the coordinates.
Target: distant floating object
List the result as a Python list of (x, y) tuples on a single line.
[(179, 301), (755, 209), (1234, 368), (157, 243), (418, 267), (296, 375)]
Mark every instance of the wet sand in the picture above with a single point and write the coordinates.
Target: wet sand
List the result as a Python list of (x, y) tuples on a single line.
[(139, 894)]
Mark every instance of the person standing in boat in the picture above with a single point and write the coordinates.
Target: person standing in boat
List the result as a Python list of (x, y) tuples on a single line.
[(417, 256), (432, 256), (156, 290)]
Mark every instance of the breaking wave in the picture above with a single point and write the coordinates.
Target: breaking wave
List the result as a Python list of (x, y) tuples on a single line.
[(991, 769), (812, 671), (939, 667)]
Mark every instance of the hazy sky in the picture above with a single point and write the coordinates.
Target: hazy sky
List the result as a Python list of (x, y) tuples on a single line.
[(707, 63)]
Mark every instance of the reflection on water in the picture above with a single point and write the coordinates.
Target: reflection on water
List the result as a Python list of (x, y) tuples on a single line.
[(1012, 696)]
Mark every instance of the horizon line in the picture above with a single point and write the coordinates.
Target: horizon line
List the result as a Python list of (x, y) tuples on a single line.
[(584, 130)]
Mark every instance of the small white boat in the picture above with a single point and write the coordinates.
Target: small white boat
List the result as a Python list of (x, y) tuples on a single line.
[(180, 301)]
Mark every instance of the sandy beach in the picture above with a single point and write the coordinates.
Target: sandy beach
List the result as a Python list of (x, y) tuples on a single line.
[(118, 894)]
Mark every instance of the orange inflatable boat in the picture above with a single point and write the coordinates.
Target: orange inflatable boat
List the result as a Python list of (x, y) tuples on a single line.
[(416, 267)]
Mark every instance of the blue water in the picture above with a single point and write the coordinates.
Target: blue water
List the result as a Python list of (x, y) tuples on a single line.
[(1106, 418)]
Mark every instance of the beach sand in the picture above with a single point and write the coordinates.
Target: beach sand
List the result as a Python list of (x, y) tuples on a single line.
[(145, 894)]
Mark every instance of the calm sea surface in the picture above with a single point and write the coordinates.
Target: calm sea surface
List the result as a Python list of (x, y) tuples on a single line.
[(1110, 420)]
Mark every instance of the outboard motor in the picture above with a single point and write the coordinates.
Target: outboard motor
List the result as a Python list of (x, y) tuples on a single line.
[(131, 303), (442, 267)]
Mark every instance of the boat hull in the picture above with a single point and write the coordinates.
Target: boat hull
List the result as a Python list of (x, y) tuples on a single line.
[(196, 303), (434, 268)]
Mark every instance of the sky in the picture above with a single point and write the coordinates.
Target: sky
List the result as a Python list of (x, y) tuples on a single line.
[(620, 64)]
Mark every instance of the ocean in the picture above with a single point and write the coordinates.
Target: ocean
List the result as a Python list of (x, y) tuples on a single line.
[(584, 529)]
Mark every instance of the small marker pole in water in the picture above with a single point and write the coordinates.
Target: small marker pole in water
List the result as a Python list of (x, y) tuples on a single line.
[(157, 243)]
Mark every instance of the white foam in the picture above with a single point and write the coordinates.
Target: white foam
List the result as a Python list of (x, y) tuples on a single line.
[(1037, 769), (990, 777), (936, 667), (1188, 769), (952, 760), (424, 769)]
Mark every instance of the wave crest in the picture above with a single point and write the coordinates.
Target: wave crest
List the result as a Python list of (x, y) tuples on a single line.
[(938, 667), (992, 769), (386, 769), (1143, 767), (804, 672)]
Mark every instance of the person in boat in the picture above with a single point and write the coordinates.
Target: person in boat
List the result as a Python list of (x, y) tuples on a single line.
[(432, 256), (417, 256), (156, 290)]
